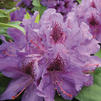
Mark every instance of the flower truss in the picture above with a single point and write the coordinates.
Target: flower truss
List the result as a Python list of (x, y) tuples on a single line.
[(53, 56)]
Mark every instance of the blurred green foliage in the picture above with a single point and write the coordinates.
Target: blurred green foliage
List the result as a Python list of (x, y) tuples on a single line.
[(38, 7), (79, 1), (98, 53), (59, 98), (7, 4), (5, 22), (4, 81), (5, 14)]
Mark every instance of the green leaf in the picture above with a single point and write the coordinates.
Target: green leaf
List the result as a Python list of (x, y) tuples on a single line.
[(5, 14), (11, 10), (15, 22), (98, 53), (37, 19), (40, 9), (79, 1), (59, 98), (36, 3), (92, 93), (3, 30), (12, 25), (8, 11), (4, 81), (8, 4), (3, 11), (27, 16), (4, 17)]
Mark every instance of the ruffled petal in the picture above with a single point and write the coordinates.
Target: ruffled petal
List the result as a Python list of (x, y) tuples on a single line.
[(30, 95), (8, 62), (46, 89), (13, 72), (18, 37)]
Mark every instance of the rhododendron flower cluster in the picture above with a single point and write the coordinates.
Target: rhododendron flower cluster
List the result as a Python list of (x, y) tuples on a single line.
[(25, 3), (90, 14), (61, 6), (54, 55)]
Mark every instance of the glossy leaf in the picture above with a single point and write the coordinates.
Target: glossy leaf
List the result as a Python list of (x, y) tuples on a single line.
[(92, 93)]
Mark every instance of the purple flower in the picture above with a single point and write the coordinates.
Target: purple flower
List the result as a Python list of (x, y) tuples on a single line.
[(61, 6), (65, 48), (90, 14), (18, 15), (55, 56), (25, 3), (19, 64)]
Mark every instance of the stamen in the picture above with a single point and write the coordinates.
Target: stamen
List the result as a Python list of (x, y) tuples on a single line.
[(10, 40), (63, 91), (29, 82), (88, 71), (6, 53), (92, 65), (14, 97), (41, 48), (57, 65), (94, 36), (34, 43)]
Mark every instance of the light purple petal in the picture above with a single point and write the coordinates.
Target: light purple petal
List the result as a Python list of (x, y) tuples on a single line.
[(18, 15), (18, 37), (30, 95), (46, 89), (14, 87)]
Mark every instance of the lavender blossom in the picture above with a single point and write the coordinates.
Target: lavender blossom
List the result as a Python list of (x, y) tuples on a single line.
[(89, 11), (20, 65), (18, 15), (61, 6), (25, 4), (65, 49), (53, 56)]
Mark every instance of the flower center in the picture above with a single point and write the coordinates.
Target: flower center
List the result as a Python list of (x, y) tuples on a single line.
[(57, 33), (56, 65), (57, 6), (93, 22), (66, 4), (93, 4), (28, 69)]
